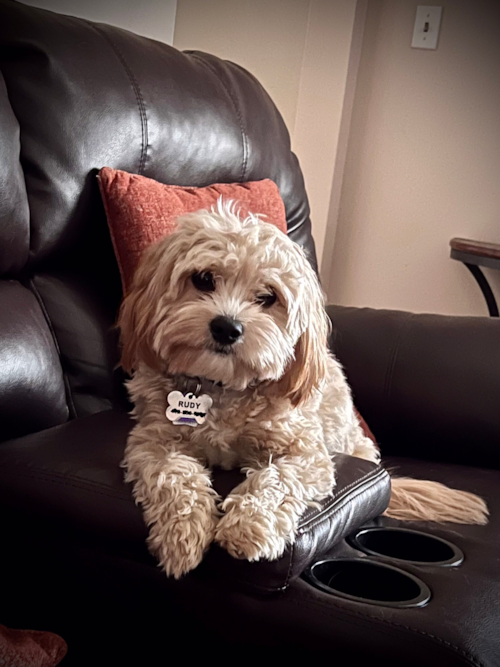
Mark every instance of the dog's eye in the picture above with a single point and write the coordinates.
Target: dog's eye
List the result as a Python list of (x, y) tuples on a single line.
[(266, 300), (203, 281)]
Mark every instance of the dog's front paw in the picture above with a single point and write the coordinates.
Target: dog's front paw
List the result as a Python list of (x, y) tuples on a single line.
[(254, 532), (180, 543)]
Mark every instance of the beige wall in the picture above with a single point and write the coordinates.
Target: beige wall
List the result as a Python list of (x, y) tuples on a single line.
[(300, 51), (264, 36), (423, 162), (324, 106), (150, 18)]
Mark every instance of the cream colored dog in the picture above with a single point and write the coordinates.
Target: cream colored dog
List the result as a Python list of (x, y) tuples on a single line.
[(225, 331)]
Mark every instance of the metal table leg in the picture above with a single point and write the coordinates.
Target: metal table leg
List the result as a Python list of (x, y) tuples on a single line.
[(485, 288)]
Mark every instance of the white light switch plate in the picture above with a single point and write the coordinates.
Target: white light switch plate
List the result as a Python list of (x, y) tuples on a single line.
[(426, 29)]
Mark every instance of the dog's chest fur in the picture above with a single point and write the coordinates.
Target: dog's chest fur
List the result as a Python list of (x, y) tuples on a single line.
[(244, 428), (249, 427)]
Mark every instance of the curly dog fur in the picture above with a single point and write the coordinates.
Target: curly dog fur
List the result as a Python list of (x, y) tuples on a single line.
[(281, 405)]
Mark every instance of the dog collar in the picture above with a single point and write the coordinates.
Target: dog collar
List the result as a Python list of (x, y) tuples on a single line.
[(196, 385)]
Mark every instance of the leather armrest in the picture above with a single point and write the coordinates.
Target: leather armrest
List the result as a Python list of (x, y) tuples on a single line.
[(427, 385), (66, 484), (362, 493)]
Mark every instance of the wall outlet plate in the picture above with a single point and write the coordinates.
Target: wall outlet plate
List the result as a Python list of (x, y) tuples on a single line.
[(426, 29)]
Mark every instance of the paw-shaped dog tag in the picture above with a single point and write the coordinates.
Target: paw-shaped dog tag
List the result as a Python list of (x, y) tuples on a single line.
[(187, 409)]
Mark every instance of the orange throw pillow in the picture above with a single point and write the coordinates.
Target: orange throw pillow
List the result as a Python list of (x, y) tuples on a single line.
[(140, 211), (30, 648)]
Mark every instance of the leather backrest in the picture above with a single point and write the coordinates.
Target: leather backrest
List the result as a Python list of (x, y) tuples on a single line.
[(82, 96), (32, 392)]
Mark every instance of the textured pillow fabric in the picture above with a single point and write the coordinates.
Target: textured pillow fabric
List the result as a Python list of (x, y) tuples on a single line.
[(30, 648), (140, 210), (366, 429)]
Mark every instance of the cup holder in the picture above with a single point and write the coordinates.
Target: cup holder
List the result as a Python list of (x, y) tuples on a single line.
[(406, 545), (367, 581)]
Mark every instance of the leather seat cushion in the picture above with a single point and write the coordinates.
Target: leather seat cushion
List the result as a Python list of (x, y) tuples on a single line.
[(68, 480)]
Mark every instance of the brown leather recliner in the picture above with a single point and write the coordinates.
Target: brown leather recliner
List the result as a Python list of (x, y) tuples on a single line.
[(76, 96)]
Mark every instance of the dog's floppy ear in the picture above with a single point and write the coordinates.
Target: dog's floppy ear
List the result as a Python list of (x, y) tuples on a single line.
[(136, 315), (308, 369)]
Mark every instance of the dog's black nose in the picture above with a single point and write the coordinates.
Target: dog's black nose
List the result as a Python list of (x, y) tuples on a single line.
[(225, 330)]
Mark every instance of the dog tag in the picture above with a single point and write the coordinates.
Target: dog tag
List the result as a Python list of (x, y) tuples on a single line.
[(187, 409)]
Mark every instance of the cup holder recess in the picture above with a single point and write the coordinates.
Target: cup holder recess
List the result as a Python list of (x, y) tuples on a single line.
[(406, 545), (371, 582)]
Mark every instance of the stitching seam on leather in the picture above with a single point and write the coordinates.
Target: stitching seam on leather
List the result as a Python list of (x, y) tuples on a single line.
[(340, 493), (334, 509), (237, 110), (71, 480), (137, 91), (377, 472), (392, 362), (67, 385), (336, 497), (289, 571), (352, 612)]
